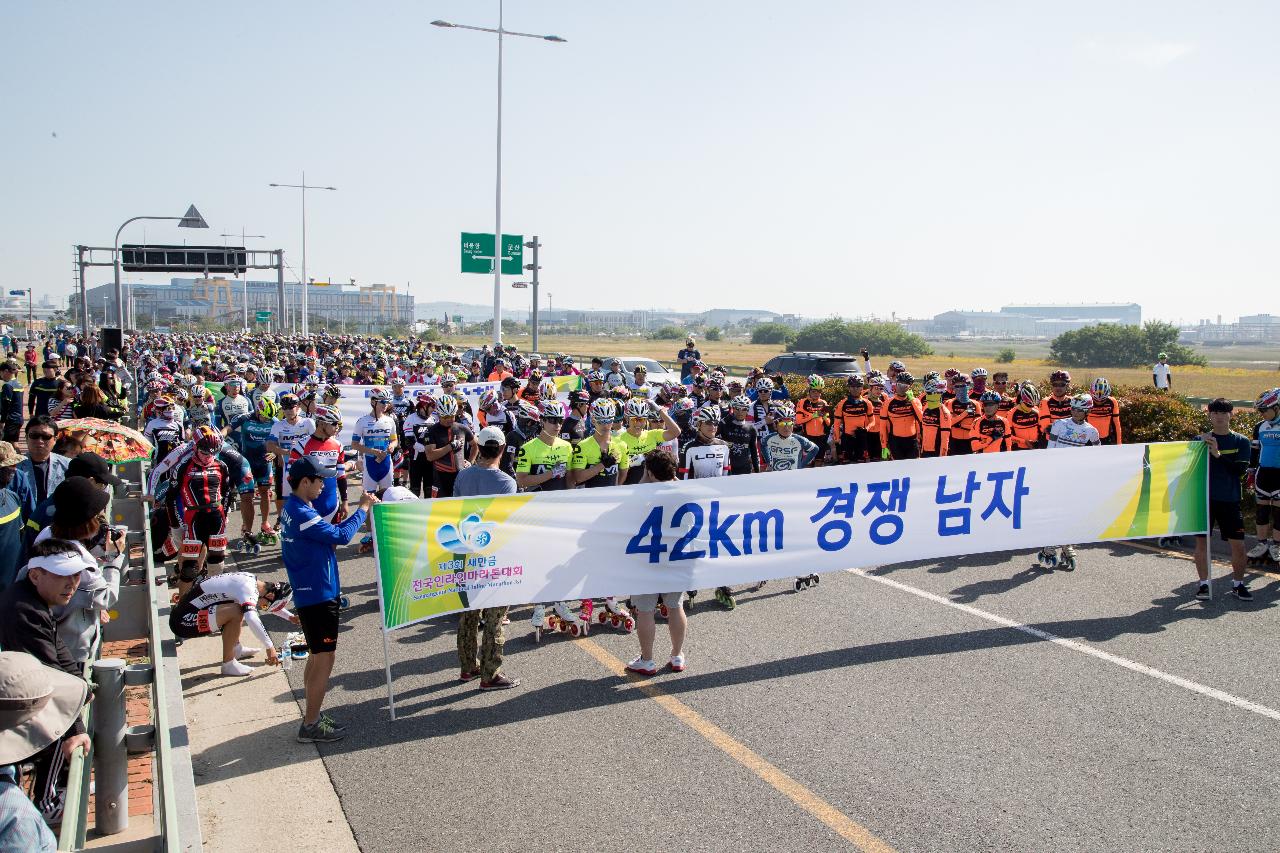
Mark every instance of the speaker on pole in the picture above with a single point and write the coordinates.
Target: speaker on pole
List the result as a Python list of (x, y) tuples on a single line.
[(109, 339)]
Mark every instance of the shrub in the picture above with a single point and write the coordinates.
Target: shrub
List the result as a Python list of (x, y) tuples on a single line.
[(1122, 346), (772, 333), (714, 334), (837, 335), (1006, 356), (667, 333)]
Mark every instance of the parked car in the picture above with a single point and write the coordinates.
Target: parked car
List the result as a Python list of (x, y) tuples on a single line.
[(828, 364), (655, 370)]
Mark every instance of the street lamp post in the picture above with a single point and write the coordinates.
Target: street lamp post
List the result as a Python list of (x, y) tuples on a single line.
[(304, 187), (497, 204), (243, 238), (190, 219)]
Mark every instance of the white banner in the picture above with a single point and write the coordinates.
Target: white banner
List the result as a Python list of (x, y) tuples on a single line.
[(445, 555)]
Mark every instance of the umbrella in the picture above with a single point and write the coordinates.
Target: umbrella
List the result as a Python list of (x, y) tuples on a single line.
[(112, 441)]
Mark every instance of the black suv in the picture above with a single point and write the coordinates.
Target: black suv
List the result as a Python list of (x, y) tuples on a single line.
[(825, 364)]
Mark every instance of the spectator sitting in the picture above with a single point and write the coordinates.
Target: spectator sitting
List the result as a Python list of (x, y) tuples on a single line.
[(38, 705), (27, 625)]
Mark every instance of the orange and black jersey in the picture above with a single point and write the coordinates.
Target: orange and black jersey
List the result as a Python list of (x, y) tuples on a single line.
[(962, 418), (936, 430), (900, 417), (812, 418), (530, 395), (991, 435), (1053, 409), (1026, 428), (852, 414), (1105, 417), (1007, 404)]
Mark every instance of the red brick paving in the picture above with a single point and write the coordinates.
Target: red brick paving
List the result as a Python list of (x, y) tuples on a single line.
[(137, 712)]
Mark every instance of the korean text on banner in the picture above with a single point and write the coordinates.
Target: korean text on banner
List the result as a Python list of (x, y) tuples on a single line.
[(441, 556)]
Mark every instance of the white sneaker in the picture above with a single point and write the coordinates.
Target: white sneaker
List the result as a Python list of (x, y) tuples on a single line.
[(1257, 551), (1275, 550), (242, 652), (677, 663), (642, 666), (234, 667)]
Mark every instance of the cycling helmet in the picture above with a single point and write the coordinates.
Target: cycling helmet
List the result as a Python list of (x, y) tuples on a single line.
[(578, 398), (682, 407), (551, 410), (1268, 399), (979, 373), (397, 380), (547, 389), (636, 409), (950, 373), (816, 381), (897, 365), (742, 401), (1081, 403), (380, 395), (874, 376), (488, 399), (604, 411), (990, 397), (312, 380), (1100, 388), (854, 381), (163, 406), (535, 375), (288, 400), (266, 406), (640, 368), (198, 393), (332, 392), (783, 411), (706, 415), (621, 392), (595, 376), (934, 386), (279, 594), (447, 406), (764, 384), (1059, 376), (1029, 394), (904, 378), (715, 375), (207, 439), (524, 410), (180, 396), (328, 415), (717, 385), (929, 377), (232, 381)]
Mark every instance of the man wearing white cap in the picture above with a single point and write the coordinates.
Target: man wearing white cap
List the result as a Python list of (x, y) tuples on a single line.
[(27, 625), (481, 479), (38, 704)]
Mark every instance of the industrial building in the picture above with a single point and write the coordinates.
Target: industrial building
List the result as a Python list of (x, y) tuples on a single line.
[(1026, 321)]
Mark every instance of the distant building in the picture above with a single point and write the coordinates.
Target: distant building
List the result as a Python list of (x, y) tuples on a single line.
[(1026, 321), (1249, 329), (364, 308), (1124, 313)]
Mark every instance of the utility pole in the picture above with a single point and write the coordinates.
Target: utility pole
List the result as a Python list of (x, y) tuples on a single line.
[(534, 245), (31, 325)]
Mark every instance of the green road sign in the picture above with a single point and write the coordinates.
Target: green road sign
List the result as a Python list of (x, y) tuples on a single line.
[(477, 253), (262, 316), (457, 319)]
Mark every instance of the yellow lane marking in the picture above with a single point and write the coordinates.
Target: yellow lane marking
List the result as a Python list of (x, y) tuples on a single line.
[(848, 829), (1180, 556)]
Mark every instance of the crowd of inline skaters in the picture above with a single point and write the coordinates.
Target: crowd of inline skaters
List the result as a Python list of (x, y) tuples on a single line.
[(278, 402)]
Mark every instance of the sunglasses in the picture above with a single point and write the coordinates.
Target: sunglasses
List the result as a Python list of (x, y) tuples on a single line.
[(39, 436)]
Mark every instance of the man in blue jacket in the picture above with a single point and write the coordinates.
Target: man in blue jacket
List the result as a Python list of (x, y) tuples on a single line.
[(308, 543)]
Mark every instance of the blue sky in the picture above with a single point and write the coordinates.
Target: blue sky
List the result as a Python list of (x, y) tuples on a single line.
[(814, 157)]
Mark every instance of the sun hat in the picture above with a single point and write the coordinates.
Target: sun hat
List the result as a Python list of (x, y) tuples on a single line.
[(8, 455), (37, 705)]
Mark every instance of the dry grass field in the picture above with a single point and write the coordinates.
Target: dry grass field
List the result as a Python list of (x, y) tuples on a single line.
[(1219, 379)]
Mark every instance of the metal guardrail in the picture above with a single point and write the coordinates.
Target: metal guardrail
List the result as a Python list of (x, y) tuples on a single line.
[(75, 812)]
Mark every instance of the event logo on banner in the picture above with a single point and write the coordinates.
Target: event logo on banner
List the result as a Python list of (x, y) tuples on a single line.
[(441, 556)]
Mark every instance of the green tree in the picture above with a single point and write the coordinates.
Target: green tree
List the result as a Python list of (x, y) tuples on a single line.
[(878, 338), (713, 334), (667, 333), (1121, 346), (1006, 356), (772, 333)]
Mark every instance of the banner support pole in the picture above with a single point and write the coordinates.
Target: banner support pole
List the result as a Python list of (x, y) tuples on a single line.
[(1208, 523), (382, 615)]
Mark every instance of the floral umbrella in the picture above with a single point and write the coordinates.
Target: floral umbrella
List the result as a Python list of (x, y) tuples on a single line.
[(113, 442)]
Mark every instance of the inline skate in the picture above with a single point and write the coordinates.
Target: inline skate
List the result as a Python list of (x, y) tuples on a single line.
[(1048, 558), (805, 581), (724, 596), (612, 613), (1264, 555), (267, 536)]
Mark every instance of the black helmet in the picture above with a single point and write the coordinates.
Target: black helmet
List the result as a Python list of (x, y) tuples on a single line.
[(279, 593)]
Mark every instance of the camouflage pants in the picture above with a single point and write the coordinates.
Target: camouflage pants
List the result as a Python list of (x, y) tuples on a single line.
[(490, 660)]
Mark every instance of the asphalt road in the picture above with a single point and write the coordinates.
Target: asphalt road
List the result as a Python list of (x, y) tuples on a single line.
[(869, 711)]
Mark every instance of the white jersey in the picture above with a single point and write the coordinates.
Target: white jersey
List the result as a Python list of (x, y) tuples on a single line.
[(786, 454), (237, 588), (1068, 433), (230, 408), (705, 460), (287, 435)]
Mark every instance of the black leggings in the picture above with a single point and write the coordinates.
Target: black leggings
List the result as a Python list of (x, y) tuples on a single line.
[(420, 475)]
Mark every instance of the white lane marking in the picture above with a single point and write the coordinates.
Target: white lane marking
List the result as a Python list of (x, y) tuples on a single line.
[(1083, 648)]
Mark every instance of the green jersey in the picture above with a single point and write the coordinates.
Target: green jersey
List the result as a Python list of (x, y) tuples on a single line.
[(538, 457), (586, 453)]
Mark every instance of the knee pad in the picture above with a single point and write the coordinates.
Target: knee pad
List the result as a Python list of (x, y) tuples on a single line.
[(1263, 514)]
